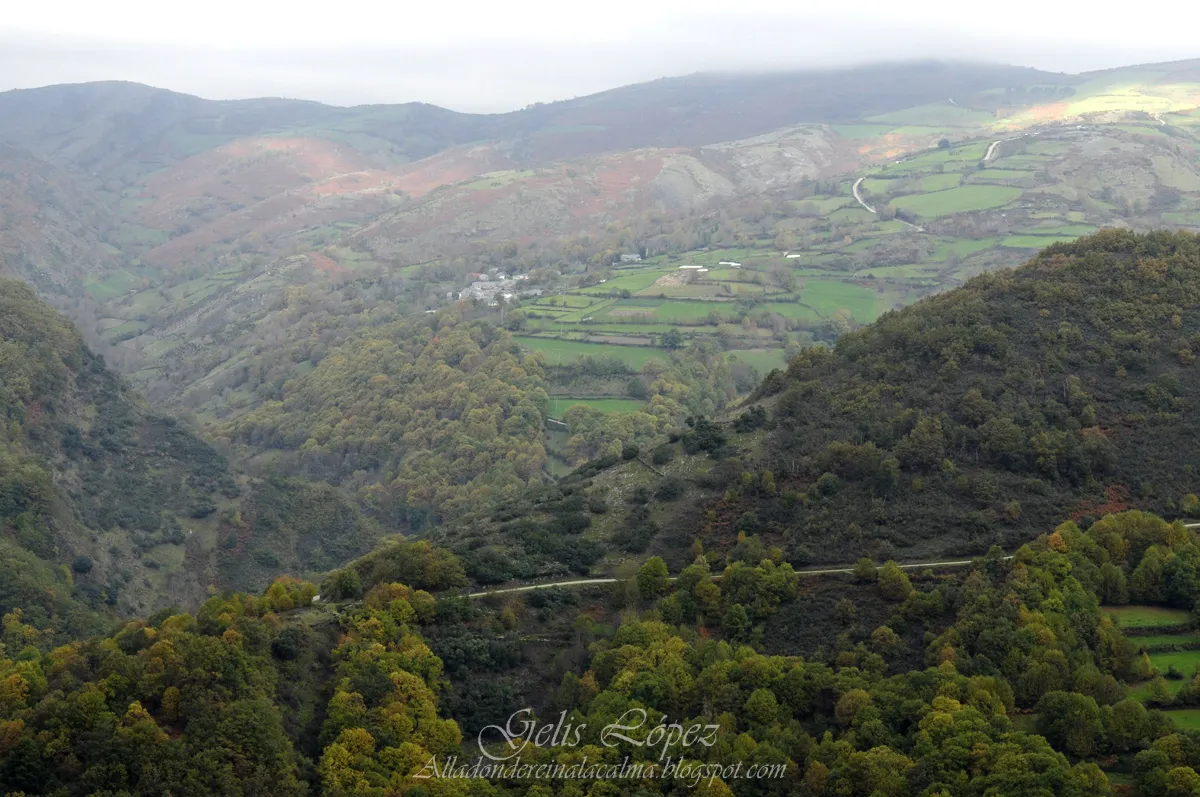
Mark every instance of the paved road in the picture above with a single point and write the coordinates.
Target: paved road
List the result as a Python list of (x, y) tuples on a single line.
[(858, 198), (808, 572)]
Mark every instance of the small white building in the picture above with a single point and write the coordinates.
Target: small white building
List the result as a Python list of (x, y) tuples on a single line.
[(633, 258)]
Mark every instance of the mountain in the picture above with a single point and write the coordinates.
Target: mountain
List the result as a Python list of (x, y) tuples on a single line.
[(107, 506), (52, 229), (92, 478), (115, 129)]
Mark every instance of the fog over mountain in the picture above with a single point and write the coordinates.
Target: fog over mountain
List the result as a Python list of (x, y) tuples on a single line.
[(480, 57)]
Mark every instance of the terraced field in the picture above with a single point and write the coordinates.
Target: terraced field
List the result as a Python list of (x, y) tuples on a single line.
[(824, 264)]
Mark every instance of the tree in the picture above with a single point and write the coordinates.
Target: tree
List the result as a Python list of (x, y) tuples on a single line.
[(864, 571), (671, 339), (653, 578), (944, 143), (1070, 722), (893, 583)]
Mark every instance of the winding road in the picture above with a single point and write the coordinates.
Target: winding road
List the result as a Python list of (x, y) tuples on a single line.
[(583, 582), (811, 572), (858, 198)]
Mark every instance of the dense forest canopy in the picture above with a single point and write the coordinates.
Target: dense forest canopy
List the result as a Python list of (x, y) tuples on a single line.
[(288, 694), (424, 416), (1065, 387)]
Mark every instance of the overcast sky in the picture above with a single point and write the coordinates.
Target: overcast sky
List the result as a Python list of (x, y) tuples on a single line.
[(494, 56)]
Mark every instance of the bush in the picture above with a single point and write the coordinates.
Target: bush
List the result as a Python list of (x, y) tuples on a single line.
[(343, 584), (662, 455), (629, 451), (671, 488), (82, 564)]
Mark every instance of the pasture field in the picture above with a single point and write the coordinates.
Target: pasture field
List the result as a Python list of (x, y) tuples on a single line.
[(1187, 718), (819, 262), (1034, 241), (1003, 174), (957, 200), (561, 352), (1185, 661), (829, 296), (1142, 691), (762, 360), (940, 182), (627, 282), (560, 404), (1165, 640), (1147, 616), (115, 284)]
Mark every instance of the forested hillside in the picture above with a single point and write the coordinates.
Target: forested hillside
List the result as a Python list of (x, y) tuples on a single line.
[(1008, 679), (423, 417), (1066, 387), (90, 479), (107, 507)]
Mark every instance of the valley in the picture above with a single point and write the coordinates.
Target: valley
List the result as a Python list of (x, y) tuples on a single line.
[(821, 409)]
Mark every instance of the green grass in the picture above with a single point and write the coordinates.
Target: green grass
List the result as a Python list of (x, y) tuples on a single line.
[(628, 282), (1185, 661), (957, 200), (559, 404), (1034, 241), (115, 284), (561, 352), (1160, 640), (964, 247), (910, 271), (762, 360), (830, 296), (940, 182), (1065, 229), (1147, 616), (1187, 718), (791, 310), (1003, 174)]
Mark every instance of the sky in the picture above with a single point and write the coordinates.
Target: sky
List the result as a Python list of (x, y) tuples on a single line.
[(492, 56)]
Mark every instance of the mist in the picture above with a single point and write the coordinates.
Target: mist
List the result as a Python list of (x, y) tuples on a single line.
[(560, 58)]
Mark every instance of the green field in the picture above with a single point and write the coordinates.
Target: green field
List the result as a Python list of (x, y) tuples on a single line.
[(940, 182), (560, 404), (964, 247), (1003, 174), (957, 200), (115, 284), (561, 352), (1147, 616), (1161, 640), (829, 296), (762, 360), (627, 282), (1185, 661), (1188, 718), (1034, 241)]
